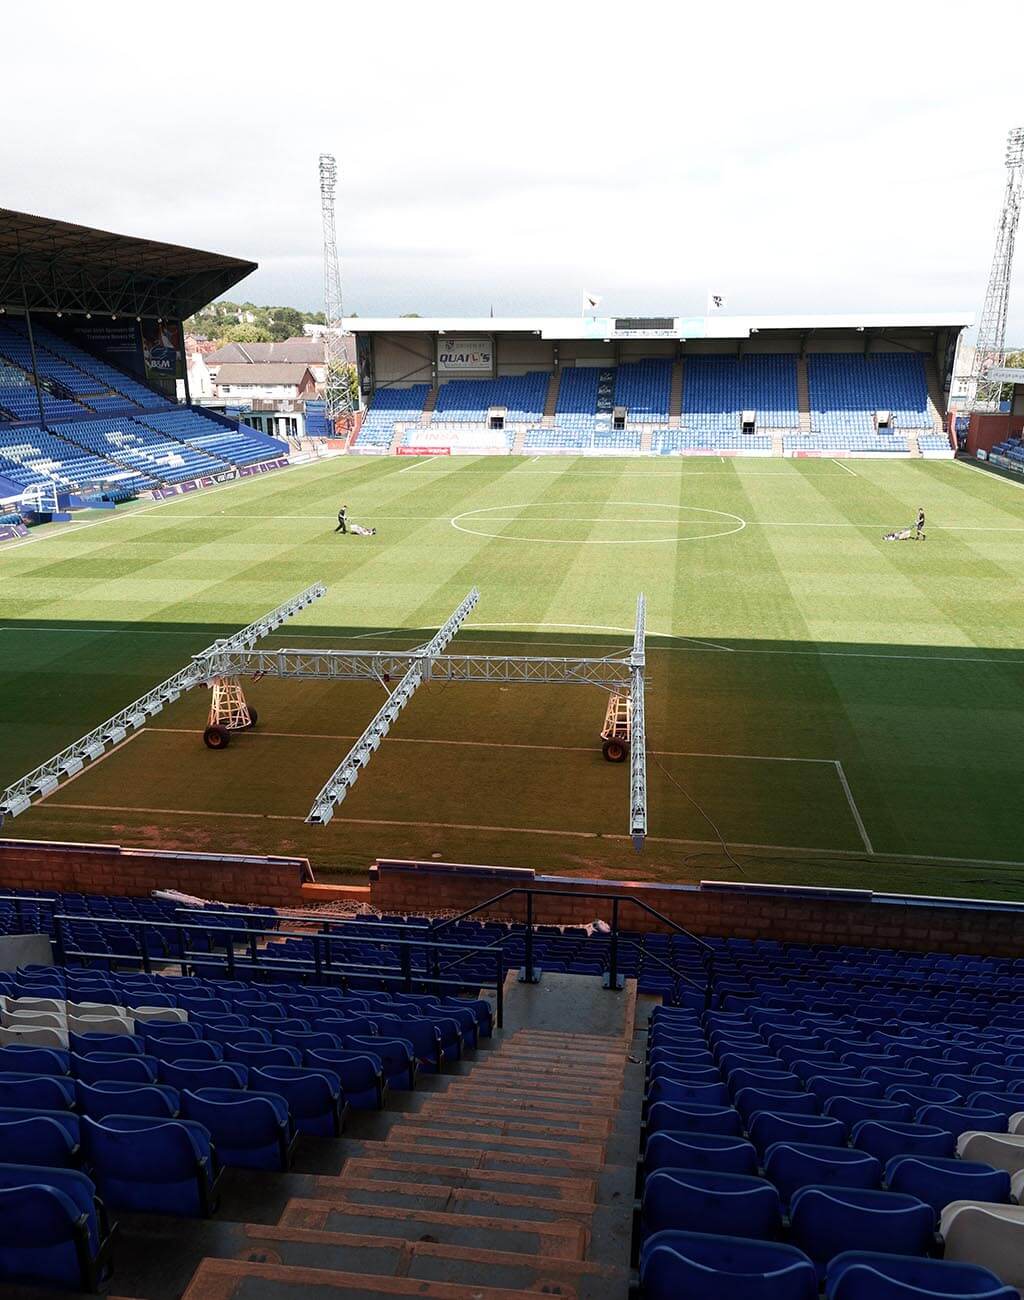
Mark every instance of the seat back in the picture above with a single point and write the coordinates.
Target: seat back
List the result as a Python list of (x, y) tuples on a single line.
[(702, 1201)]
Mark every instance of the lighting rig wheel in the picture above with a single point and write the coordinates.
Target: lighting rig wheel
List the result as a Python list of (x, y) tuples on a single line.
[(254, 717), (216, 737), (614, 751)]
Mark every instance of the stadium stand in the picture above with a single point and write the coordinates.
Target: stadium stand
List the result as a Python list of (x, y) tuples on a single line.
[(814, 1117), (467, 401), (105, 386), (825, 442), (718, 389), (128, 442), (236, 444), (578, 397), (847, 390), (391, 406), (667, 441), (29, 456), (643, 388)]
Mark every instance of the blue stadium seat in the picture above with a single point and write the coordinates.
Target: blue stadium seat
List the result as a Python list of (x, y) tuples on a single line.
[(51, 1230), (42, 1091), (204, 1074), (110, 1065), (702, 1201), (864, 1275), (961, 1119), (66, 1119), (792, 1165), (361, 1075), (937, 1181), (396, 1055), (885, 1139), (825, 1221), (150, 1166), (115, 1097), (34, 1060), (715, 1151), (36, 1140), (767, 1127), (258, 1054), (699, 1266), (851, 1110), (252, 1130), (314, 1096), (693, 1117)]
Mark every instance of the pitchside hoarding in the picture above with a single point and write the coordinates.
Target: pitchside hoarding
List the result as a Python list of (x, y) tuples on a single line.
[(464, 352)]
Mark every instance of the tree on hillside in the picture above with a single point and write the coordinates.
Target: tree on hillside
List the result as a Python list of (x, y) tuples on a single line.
[(244, 334)]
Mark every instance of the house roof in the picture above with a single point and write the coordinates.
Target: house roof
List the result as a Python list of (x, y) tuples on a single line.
[(309, 352), (263, 372)]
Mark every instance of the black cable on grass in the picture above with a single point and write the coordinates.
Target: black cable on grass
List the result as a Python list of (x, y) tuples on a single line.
[(705, 814)]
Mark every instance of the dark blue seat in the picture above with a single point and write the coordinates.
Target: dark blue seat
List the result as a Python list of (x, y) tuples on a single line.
[(16, 1059), (767, 1127), (171, 1031), (666, 1116), (52, 1233), (225, 1034), (748, 1101), (314, 1097), (361, 1075), (792, 1165), (825, 1221), (108, 1065), (922, 1096), (710, 1202), (36, 1140), (396, 1055), (853, 1109), (115, 1097), (865, 1275), (961, 1119), (204, 1074), (36, 1091), (252, 1130), (119, 1044), (824, 1086), (684, 1072), (151, 1166), (67, 1120), (677, 1090), (937, 1180), (258, 1054), (885, 1140), (305, 1041), (177, 1049), (716, 1151), (699, 1266), (769, 1080)]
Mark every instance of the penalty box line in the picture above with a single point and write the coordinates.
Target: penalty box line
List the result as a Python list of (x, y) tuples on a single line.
[(835, 763)]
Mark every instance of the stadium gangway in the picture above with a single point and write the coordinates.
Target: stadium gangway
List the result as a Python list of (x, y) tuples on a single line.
[(613, 980), (323, 969)]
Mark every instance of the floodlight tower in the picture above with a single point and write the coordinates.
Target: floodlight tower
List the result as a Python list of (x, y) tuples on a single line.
[(337, 397), (991, 343)]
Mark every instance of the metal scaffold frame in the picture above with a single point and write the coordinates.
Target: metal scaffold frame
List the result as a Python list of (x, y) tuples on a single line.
[(223, 663), (991, 345)]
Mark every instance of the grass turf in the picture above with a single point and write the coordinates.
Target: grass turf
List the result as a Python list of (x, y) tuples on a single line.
[(844, 710)]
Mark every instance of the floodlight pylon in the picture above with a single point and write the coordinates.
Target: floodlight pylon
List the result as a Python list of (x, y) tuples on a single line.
[(991, 343)]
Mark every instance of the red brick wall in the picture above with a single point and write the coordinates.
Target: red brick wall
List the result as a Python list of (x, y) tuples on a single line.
[(853, 916), (109, 869)]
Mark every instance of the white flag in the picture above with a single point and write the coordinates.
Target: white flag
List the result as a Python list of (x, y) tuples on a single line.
[(716, 302), (591, 302)]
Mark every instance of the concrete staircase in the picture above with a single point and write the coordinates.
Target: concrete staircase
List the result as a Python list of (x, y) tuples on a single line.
[(912, 443), (519, 443), (428, 405), (508, 1178), (931, 375), (803, 395), (551, 402), (675, 397), (646, 438)]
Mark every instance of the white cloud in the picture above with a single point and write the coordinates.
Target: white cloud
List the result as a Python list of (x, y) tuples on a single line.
[(810, 157)]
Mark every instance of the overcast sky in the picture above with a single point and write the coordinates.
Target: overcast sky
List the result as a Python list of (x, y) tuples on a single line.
[(797, 157)]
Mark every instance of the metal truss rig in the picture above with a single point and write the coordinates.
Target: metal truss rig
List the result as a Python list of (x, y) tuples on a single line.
[(238, 657)]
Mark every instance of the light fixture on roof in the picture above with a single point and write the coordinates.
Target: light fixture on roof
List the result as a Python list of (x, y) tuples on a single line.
[(88, 315), (138, 318), (60, 315), (112, 316)]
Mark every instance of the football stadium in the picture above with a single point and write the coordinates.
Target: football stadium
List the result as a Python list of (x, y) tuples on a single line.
[(345, 951)]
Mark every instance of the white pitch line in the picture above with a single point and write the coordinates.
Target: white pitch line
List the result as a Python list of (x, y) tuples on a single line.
[(862, 829), (113, 516), (842, 466), (108, 753), (988, 474)]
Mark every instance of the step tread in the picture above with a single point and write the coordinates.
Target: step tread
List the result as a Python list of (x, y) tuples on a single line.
[(221, 1279), (443, 1121), (445, 1198), (482, 1158), (567, 1188), (482, 1111), (559, 1238), (429, 1135)]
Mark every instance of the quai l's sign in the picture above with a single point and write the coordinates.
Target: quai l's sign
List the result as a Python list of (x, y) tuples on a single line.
[(464, 352)]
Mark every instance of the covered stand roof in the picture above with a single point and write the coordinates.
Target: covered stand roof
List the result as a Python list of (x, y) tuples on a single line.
[(48, 265)]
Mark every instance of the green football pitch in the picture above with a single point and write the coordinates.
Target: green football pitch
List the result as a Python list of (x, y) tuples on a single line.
[(843, 710)]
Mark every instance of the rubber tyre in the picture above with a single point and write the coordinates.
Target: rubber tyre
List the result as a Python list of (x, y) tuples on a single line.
[(254, 717), (216, 737), (614, 751)]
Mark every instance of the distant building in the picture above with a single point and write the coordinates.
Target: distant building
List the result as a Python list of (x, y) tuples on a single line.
[(264, 381)]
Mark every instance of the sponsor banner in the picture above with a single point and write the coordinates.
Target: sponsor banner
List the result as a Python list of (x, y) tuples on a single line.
[(1005, 374), (803, 454), (163, 349), (9, 531), (938, 455), (261, 467), (464, 352), (424, 451)]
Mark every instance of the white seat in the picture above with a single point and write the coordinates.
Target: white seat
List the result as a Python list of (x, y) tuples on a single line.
[(1003, 1150), (979, 1232), (175, 1015), (100, 1025), (79, 1009), (1016, 1124), (32, 1036), (35, 1004), (28, 1019)]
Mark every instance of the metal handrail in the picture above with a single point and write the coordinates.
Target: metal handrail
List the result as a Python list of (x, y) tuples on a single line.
[(530, 892)]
